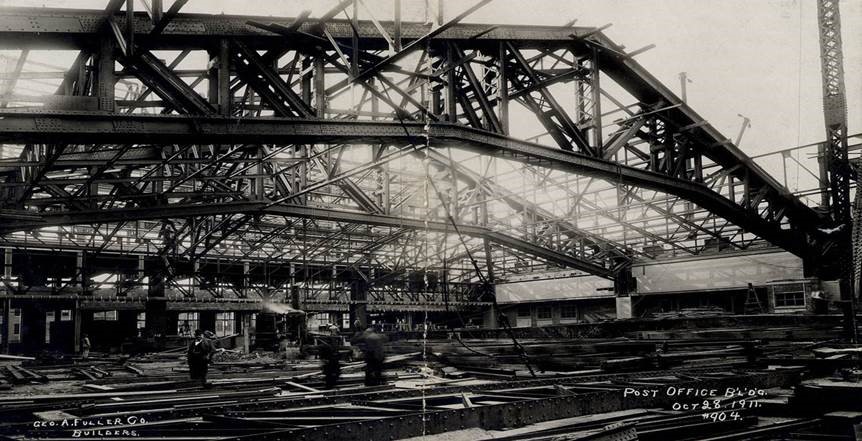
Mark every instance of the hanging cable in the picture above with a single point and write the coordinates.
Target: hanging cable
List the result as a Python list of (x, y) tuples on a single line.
[(426, 135)]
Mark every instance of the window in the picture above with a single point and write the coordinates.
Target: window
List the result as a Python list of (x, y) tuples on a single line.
[(569, 312), (16, 312), (105, 315), (789, 299), (318, 322), (187, 322), (65, 315), (224, 324), (50, 316), (253, 321), (544, 313), (523, 312), (16, 329), (142, 322)]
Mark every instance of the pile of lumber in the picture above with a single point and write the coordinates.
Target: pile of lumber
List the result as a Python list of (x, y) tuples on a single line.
[(19, 375), (707, 311)]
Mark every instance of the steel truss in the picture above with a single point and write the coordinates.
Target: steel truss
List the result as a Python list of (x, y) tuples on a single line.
[(272, 140)]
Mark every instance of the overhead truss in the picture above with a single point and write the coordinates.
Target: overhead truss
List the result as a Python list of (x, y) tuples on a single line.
[(370, 146)]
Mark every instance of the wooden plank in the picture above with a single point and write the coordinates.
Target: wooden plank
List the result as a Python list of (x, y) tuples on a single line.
[(34, 376), (14, 357), (84, 373), (97, 387), (133, 369), (302, 386), (102, 372), (17, 376)]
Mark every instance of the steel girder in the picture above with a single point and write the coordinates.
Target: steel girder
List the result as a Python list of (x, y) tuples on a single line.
[(679, 140), (696, 138), (58, 28), (108, 128), (261, 208)]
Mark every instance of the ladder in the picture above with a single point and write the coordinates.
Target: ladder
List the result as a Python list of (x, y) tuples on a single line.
[(752, 302)]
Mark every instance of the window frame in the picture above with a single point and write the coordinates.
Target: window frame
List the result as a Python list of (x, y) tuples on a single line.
[(789, 299)]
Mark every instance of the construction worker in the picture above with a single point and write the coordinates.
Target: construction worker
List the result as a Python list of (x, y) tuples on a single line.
[(200, 353), (185, 329), (85, 347), (329, 347), (371, 343)]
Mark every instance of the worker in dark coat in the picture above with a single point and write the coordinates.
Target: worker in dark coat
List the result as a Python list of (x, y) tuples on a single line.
[(329, 347), (199, 355), (371, 343)]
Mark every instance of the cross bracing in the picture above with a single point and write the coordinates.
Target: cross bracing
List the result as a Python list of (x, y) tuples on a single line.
[(472, 151)]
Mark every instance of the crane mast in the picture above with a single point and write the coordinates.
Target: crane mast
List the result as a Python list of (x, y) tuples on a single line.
[(839, 169)]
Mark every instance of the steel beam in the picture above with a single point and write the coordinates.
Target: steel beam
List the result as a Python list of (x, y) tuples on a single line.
[(103, 128), (63, 28), (180, 211)]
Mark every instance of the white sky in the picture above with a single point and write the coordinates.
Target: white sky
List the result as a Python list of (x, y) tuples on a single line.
[(759, 58)]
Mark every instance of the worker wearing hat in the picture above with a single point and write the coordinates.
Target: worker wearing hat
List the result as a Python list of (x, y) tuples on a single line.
[(199, 355)]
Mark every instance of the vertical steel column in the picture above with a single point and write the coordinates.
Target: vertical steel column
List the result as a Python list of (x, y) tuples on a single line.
[(156, 304), (483, 213), (77, 325), (7, 325), (595, 88), (387, 192), (489, 320), (140, 270), (244, 321), (333, 280), (849, 252), (258, 190), (246, 280), (354, 46), (624, 284), (7, 301), (79, 270), (223, 77), (503, 90), (451, 108), (307, 73), (157, 10), (698, 168), (396, 37), (212, 78), (823, 172), (106, 77), (834, 106), (382, 171), (454, 205), (7, 268), (580, 93), (319, 88), (130, 26), (158, 185), (293, 289), (320, 105), (196, 267), (358, 304), (305, 80)]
